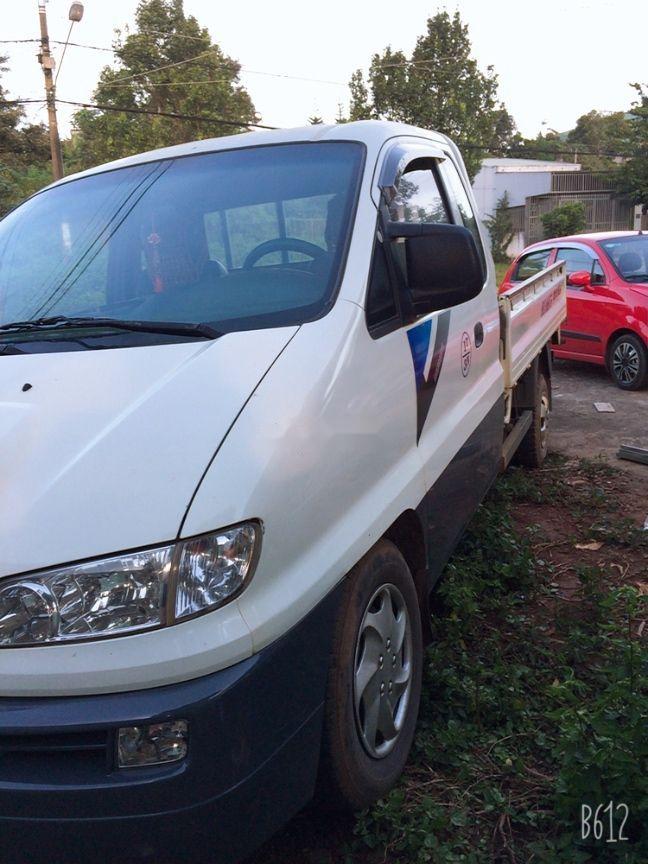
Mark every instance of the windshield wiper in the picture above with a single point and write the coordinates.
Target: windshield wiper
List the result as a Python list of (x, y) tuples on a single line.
[(61, 322)]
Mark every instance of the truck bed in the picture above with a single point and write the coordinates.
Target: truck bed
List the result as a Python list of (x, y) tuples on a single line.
[(530, 314)]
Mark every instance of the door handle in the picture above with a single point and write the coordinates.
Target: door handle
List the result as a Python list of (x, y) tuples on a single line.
[(479, 334)]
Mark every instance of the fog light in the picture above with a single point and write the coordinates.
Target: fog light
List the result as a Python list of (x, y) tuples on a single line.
[(157, 744)]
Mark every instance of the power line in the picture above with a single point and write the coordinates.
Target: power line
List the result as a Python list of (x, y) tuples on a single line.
[(511, 152), (56, 42), (195, 117), (228, 80), (21, 101), (243, 69), (166, 66)]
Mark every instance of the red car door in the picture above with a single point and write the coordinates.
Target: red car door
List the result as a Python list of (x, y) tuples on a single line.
[(585, 330)]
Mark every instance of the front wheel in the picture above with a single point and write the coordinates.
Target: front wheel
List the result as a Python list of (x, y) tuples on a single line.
[(628, 362), (374, 683)]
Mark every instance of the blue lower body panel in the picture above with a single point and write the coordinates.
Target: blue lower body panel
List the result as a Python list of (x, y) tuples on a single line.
[(254, 740)]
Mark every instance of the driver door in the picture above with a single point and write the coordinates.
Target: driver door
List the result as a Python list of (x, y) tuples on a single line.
[(454, 352)]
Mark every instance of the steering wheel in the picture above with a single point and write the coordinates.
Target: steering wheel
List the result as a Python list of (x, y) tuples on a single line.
[(283, 244)]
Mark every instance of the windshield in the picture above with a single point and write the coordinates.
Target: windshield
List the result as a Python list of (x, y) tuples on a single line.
[(237, 239), (629, 256)]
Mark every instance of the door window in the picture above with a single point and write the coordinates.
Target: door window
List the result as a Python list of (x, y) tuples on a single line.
[(216, 237), (575, 260), (598, 276), (418, 199), (315, 219), (531, 264), (250, 226), (381, 304), (459, 195)]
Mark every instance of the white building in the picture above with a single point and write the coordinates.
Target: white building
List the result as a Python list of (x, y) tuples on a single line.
[(521, 178)]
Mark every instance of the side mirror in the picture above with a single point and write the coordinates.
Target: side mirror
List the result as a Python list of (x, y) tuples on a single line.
[(443, 266), (580, 279)]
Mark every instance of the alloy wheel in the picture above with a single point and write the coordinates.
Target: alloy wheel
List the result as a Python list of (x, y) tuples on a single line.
[(383, 671), (625, 362)]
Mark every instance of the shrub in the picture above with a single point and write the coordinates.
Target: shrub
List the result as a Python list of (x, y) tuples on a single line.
[(500, 228), (566, 219)]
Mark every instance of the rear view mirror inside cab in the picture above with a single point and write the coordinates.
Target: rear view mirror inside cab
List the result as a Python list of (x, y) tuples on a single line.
[(442, 264)]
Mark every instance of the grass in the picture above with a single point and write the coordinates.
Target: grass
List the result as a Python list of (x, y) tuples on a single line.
[(535, 699), (500, 271)]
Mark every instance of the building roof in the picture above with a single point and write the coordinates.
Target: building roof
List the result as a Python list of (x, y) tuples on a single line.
[(514, 166)]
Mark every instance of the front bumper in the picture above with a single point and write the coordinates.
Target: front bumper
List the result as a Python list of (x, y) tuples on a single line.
[(254, 738)]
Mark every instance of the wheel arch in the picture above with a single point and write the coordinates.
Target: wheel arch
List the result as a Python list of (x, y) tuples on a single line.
[(620, 331), (525, 389), (408, 535)]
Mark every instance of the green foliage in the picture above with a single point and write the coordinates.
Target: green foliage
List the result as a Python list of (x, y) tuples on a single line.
[(634, 173), (593, 143), (597, 135), (549, 146), (532, 706), (564, 220), (18, 182), (439, 87), (198, 80), (24, 151), (500, 228)]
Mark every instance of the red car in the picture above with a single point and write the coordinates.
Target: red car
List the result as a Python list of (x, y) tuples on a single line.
[(607, 299)]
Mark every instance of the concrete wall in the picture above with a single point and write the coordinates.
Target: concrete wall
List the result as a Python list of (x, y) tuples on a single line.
[(520, 178), (490, 184)]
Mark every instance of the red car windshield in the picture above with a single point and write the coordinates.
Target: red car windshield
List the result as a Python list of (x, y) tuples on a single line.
[(629, 255)]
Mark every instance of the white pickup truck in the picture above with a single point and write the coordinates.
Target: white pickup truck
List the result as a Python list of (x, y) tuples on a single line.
[(252, 390)]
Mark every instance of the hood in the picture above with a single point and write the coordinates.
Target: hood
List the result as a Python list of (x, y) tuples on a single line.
[(641, 288), (103, 452)]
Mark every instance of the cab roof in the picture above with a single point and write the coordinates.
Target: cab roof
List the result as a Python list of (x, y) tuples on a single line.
[(372, 133)]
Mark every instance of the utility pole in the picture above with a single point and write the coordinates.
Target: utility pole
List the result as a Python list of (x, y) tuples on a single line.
[(47, 62)]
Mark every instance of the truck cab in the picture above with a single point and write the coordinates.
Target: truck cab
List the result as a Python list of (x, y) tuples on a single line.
[(253, 389)]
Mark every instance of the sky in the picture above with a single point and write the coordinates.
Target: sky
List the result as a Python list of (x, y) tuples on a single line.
[(556, 59)]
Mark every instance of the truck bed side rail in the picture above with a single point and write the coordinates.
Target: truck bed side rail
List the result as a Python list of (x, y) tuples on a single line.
[(530, 314)]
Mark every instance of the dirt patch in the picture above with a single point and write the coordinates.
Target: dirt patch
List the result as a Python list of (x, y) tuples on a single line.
[(578, 429), (596, 521)]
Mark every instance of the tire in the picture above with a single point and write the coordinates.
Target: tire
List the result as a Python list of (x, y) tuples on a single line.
[(533, 448), (379, 608), (628, 362)]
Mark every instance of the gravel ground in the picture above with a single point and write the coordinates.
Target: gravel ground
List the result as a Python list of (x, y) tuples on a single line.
[(578, 429)]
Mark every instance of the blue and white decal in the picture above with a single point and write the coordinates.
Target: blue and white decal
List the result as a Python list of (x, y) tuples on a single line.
[(428, 341)]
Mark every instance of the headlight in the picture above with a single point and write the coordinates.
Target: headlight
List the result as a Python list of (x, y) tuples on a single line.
[(213, 568), (130, 592)]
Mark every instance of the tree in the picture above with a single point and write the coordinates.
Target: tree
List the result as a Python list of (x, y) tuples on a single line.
[(24, 151), (597, 136), (634, 173), (564, 220), (169, 64), (500, 228), (548, 147), (439, 87), (315, 120)]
